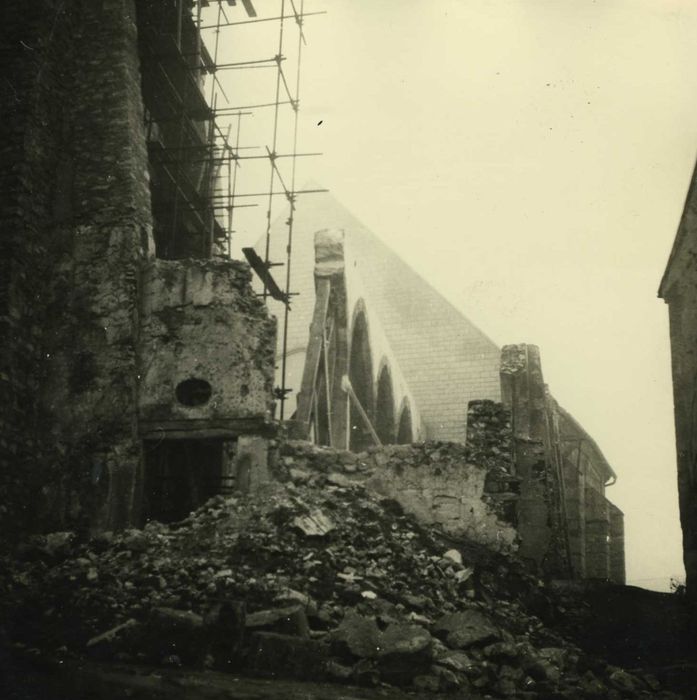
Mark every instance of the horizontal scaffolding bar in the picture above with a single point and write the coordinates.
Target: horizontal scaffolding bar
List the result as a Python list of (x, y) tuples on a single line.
[(274, 194), (240, 64), (225, 159), (265, 104), (262, 19)]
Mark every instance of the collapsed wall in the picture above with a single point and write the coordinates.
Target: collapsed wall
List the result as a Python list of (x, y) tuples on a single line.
[(466, 492)]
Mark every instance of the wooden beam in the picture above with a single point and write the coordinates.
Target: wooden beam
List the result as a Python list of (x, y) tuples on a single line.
[(327, 383), (348, 388), (258, 265), (247, 4), (202, 429), (314, 353)]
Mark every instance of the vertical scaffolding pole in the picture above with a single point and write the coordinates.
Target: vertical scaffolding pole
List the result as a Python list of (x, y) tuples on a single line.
[(232, 192), (291, 217), (272, 154)]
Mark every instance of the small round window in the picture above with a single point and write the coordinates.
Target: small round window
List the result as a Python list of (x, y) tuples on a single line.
[(193, 392)]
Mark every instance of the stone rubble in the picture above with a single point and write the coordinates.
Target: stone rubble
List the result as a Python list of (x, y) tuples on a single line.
[(312, 579)]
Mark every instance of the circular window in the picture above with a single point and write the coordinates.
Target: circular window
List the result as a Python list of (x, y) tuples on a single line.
[(193, 392)]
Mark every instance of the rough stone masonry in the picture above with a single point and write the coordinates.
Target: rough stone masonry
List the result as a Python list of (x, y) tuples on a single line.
[(100, 333)]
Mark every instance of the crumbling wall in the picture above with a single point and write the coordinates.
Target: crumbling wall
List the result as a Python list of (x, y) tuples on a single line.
[(490, 445), (202, 321), (436, 482), (91, 385), (540, 522), (82, 225), (76, 233), (563, 516)]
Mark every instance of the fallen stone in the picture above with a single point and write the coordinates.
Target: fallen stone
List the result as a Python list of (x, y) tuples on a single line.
[(289, 620), (135, 540), (457, 661), (288, 595), (454, 555), (338, 672), (171, 632), (625, 682), (284, 656), (464, 629), (501, 650), (448, 679), (506, 687), (169, 618), (106, 644), (405, 652), (426, 684), (337, 479), (225, 633), (365, 673), (317, 524), (591, 686), (299, 476), (540, 669), (356, 636)]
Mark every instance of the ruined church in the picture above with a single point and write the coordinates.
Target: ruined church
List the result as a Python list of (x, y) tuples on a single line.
[(140, 371)]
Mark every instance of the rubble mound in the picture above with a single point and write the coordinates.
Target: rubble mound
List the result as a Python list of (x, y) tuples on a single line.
[(319, 581)]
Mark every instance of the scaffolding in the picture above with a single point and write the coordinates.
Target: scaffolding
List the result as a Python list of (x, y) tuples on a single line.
[(195, 132)]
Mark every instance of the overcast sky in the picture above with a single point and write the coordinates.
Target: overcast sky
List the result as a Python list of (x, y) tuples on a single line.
[(530, 159)]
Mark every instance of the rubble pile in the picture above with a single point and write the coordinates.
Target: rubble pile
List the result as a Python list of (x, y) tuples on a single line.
[(488, 447), (309, 579)]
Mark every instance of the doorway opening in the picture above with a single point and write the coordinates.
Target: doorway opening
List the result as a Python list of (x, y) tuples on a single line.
[(181, 475)]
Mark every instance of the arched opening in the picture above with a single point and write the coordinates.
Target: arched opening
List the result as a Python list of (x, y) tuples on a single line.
[(361, 375), (384, 407), (404, 432)]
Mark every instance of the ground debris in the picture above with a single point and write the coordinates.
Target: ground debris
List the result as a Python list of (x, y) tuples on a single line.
[(305, 582)]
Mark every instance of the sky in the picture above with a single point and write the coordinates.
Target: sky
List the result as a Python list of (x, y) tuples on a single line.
[(530, 159)]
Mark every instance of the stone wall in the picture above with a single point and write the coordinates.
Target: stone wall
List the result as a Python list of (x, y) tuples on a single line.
[(32, 92), (81, 227), (87, 311), (616, 545), (563, 516), (91, 387), (202, 321), (541, 521), (437, 482)]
